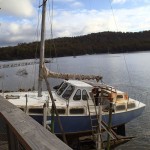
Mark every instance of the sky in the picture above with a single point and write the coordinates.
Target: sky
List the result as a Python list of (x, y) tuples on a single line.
[(20, 20)]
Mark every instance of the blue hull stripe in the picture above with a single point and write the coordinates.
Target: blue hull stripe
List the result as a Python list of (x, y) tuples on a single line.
[(75, 124)]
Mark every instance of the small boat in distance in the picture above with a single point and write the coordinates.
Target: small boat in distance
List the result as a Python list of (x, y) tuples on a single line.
[(48, 61), (22, 72)]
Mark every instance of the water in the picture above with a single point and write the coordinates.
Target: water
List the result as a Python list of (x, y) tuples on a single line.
[(128, 72)]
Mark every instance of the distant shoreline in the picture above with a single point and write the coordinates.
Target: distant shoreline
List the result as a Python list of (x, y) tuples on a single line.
[(148, 51), (95, 43)]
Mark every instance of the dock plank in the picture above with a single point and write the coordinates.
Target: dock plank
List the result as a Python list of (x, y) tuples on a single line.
[(27, 130)]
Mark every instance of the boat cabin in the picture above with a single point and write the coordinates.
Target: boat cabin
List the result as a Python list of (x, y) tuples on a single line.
[(74, 90)]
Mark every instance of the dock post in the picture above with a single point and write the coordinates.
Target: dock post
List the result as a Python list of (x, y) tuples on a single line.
[(99, 141), (109, 125), (44, 115), (26, 104), (52, 118)]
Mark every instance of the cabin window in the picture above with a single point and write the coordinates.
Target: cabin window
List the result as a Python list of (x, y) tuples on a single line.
[(85, 95), (120, 107), (77, 96), (61, 111), (131, 105), (119, 96), (36, 110), (58, 86), (63, 87), (77, 111), (68, 92)]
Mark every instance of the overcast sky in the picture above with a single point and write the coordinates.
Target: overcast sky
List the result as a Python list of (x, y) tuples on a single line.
[(20, 19)]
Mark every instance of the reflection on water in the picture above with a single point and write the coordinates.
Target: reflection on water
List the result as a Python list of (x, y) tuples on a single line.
[(128, 72)]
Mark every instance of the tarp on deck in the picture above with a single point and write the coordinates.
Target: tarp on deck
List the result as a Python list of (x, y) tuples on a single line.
[(68, 76)]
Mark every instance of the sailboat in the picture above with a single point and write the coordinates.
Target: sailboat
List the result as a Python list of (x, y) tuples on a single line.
[(75, 98)]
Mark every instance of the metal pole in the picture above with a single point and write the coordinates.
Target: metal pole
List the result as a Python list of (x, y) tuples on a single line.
[(42, 48)]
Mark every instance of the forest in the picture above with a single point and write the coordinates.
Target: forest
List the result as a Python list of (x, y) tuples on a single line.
[(94, 43)]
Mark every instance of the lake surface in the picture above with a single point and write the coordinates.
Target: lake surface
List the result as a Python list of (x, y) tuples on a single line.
[(128, 72)]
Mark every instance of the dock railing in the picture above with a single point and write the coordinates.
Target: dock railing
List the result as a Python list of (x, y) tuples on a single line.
[(19, 131)]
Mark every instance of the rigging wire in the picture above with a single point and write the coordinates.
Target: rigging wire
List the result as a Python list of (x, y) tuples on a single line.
[(140, 95), (53, 42), (51, 14), (113, 15), (51, 23), (129, 77), (33, 70), (37, 46), (127, 68)]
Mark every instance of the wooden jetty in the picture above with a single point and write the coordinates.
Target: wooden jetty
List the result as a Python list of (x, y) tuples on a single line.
[(20, 131), (18, 64)]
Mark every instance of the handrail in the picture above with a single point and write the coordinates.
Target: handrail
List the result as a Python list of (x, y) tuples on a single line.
[(24, 131)]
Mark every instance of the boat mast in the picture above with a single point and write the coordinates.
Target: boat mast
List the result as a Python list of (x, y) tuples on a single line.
[(42, 48)]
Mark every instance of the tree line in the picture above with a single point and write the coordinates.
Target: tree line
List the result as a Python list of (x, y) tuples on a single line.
[(94, 43)]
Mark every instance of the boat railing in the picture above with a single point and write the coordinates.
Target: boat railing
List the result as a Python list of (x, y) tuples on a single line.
[(124, 105), (20, 131)]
